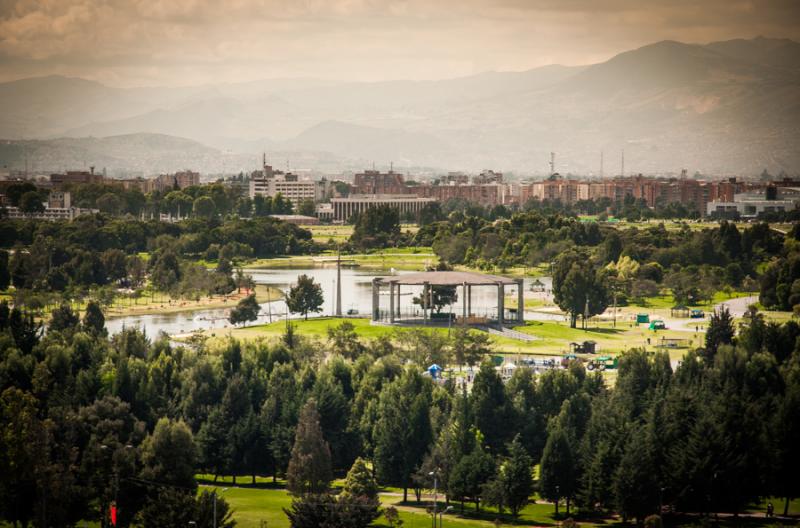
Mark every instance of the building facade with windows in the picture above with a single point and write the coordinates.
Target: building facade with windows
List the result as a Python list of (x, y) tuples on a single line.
[(345, 208)]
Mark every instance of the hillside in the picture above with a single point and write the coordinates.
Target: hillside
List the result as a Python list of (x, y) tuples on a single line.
[(723, 108)]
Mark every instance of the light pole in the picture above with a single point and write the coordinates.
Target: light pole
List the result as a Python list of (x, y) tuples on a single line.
[(435, 494), (441, 513), (214, 495)]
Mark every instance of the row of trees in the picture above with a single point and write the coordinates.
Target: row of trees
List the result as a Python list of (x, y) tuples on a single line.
[(87, 418)]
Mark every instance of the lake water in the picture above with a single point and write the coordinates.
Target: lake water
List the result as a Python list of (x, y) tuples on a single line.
[(356, 297)]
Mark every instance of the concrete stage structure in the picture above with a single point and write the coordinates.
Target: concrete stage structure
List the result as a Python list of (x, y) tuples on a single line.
[(432, 279)]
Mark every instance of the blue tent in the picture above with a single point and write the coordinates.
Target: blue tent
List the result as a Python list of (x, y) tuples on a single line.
[(434, 370)]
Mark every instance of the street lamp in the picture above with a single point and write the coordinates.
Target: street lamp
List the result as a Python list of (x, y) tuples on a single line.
[(435, 494), (446, 510), (214, 496)]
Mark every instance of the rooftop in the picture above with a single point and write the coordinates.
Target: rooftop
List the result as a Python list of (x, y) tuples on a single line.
[(450, 278)]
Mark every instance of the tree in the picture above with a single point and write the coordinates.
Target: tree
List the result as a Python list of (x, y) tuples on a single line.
[(31, 203), (376, 227), (360, 482), (305, 296), (437, 298), (109, 203), (558, 471), (513, 484), (63, 318), (491, 409), (20, 455), (325, 510), (344, 340), (635, 487), (93, 320), (402, 431), (204, 207), (169, 455), (5, 274), (471, 473), (310, 466), (205, 511), (720, 331), (470, 347), (307, 208), (578, 288), (246, 310)]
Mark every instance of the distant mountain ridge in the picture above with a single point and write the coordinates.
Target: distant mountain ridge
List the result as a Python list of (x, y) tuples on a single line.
[(724, 108)]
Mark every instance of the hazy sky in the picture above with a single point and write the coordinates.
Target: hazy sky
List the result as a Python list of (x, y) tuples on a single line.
[(176, 42)]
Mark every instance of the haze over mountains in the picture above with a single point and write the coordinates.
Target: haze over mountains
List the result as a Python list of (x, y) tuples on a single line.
[(724, 108)]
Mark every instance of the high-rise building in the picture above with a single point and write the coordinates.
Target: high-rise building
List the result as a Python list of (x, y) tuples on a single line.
[(271, 182), (376, 182)]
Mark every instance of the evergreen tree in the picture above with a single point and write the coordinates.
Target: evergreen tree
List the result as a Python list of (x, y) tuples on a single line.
[(469, 476), (491, 409), (402, 433), (513, 485), (635, 486), (720, 331), (558, 473), (360, 482), (93, 320), (310, 466), (63, 318), (5, 274)]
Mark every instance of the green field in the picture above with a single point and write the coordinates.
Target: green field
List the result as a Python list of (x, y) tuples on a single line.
[(553, 338), (253, 505)]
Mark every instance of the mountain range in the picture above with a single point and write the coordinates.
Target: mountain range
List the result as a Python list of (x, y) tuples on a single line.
[(724, 108)]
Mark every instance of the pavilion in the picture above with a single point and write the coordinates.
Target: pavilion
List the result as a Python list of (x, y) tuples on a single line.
[(465, 279)]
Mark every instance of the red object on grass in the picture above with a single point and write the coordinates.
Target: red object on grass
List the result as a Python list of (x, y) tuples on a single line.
[(113, 512)]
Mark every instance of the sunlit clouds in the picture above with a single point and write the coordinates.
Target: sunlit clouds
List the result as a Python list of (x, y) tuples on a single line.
[(179, 42)]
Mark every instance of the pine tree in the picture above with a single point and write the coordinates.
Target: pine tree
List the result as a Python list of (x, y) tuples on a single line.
[(359, 481), (63, 318), (635, 487), (558, 471), (720, 331), (93, 320), (513, 485), (310, 466)]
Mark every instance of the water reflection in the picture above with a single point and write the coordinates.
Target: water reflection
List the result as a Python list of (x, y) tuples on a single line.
[(356, 300)]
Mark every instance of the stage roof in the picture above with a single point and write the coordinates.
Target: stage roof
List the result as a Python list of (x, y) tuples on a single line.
[(449, 278)]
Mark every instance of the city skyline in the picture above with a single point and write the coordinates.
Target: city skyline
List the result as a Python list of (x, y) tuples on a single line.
[(189, 42)]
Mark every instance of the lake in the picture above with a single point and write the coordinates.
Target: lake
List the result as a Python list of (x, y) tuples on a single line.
[(356, 296)]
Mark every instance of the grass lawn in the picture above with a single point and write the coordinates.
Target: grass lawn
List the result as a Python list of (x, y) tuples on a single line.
[(316, 327)]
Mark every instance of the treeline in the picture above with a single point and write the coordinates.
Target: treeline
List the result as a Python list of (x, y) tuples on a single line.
[(98, 250), (780, 282), (693, 264), (87, 418), (202, 201)]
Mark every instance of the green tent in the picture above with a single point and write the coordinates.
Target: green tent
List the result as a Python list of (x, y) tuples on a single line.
[(642, 318)]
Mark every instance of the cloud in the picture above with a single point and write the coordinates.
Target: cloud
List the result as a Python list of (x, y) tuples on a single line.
[(133, 42)]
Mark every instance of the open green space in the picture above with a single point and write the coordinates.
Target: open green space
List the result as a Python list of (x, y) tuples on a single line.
[(252, 505)]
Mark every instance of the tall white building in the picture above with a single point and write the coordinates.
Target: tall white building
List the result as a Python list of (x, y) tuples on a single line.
[(271, 182)]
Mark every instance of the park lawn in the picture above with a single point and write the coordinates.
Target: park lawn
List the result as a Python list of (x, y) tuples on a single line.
[(554, 338), (316, 327), (252, 505)]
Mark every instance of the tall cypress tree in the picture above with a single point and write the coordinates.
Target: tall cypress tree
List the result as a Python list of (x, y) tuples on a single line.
[(310, 466)]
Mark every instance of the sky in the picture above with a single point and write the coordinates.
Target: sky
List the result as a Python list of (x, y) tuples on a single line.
[(190, 42)]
